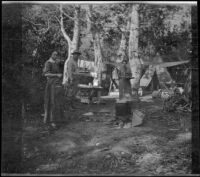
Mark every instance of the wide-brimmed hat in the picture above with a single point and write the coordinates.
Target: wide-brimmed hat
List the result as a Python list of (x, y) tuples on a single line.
[(76, 52)]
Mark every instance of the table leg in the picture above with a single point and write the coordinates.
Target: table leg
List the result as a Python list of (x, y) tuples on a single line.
[(99, 96)]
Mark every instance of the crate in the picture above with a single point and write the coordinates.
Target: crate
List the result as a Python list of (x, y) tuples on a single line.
[(85, 100)]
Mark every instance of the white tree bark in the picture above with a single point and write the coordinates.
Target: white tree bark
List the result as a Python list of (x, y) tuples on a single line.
[(76, 34), (72, 44), (123, 43), (98, 63), (135, 62), (98, 55), (122, 49), (69, 42)]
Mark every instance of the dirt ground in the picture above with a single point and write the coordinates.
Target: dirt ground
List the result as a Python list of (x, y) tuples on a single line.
[(93, 145)]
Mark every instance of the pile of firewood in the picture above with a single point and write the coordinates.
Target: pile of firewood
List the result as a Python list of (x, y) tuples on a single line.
[(176, 101)]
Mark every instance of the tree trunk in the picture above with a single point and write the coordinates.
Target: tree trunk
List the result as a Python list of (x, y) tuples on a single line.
[(123, 43), (98, 63), (69, 45), (122, 49), (135, 63), (74, 44)]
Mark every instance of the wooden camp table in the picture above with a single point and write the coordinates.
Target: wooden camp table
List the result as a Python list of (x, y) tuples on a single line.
[(85, 74), (87, 93)]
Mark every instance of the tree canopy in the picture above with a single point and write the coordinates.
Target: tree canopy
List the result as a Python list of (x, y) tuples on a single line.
[(163, 29)]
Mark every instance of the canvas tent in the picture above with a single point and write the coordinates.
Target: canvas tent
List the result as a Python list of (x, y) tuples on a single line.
[(156, 74), (150, 81)]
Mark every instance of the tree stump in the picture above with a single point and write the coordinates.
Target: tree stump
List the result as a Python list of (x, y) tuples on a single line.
[(127, 111), (123, 107), (123, 110)]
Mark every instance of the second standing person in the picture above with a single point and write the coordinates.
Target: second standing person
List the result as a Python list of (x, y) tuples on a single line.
[(71, 87)]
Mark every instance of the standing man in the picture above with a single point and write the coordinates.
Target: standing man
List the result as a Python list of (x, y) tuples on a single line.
[(72, 79), (53, 100), (124, 79)]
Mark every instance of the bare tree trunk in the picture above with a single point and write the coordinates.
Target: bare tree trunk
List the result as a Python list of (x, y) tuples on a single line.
[(97, 45), (69, 42), (74, 44), (135, 62), (98, 56), (122, 48), (123, 43)]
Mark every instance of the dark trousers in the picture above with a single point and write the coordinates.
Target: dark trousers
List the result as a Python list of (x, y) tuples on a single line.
[(70, 93), (115, 83), (53, 103)]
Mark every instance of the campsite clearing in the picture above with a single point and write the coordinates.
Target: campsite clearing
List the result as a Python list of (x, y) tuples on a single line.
[(93, 145)]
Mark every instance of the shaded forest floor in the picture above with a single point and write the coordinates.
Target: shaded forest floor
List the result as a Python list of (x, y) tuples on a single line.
[(93, 145)]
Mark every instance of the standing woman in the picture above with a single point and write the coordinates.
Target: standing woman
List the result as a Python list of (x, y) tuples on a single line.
[(53, 100), (124, 79)]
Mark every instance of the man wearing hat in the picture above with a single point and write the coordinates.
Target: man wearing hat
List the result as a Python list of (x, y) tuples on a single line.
[(72, 80)]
